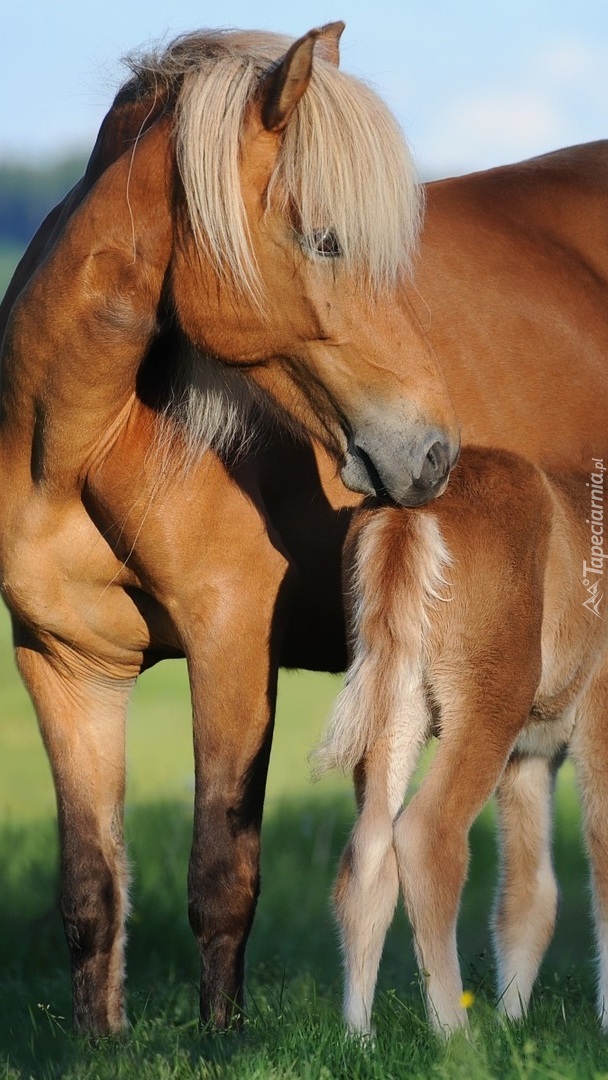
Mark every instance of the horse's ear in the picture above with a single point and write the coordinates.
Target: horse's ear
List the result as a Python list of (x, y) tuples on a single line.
[(328, 42), (287, 82)]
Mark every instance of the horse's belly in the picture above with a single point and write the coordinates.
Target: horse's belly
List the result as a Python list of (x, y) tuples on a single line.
[(546, 737), (315, 637)]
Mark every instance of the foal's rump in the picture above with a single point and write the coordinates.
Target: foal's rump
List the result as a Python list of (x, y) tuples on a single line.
[(454, 597), (514, 630)]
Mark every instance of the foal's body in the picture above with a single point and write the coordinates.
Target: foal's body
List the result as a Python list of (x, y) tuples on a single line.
[(469, 620)]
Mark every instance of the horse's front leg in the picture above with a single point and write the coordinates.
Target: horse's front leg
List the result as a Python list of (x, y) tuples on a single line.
[(233, 670), (82, 719)]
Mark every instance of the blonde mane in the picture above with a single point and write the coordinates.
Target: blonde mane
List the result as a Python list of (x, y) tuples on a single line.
[(343, 163)]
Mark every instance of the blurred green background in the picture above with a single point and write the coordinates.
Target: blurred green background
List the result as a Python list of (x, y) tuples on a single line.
[(160, 763)]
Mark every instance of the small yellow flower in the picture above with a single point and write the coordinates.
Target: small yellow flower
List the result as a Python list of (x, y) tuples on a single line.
[(467, 998)]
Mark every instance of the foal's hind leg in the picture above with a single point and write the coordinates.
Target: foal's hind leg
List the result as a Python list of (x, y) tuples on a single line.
[(82, 720), (431, 842), (526, 905), (367, 885)]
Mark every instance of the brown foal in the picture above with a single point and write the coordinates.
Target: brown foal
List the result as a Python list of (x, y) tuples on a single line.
[(479, 620)]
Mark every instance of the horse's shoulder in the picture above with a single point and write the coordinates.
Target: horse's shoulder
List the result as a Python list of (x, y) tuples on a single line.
[(130, 116)]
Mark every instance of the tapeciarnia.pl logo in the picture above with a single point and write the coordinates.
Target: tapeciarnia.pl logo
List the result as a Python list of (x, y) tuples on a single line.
[(593, 571)]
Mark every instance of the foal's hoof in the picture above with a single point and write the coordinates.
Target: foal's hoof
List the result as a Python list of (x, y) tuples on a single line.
[(365, 1040)]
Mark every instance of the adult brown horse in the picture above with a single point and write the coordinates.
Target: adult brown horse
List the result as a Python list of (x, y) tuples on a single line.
[(239, 566), (239, 239)]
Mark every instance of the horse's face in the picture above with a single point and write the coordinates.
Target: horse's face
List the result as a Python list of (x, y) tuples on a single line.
[(342, 359)]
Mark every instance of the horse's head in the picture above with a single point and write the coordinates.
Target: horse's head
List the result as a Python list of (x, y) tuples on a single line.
[(301, 214)]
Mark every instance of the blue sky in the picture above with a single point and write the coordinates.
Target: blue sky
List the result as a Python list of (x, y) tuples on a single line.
[(472, 83)]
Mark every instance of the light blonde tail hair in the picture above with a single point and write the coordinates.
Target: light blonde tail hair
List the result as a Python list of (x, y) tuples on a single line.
[(397, 576)]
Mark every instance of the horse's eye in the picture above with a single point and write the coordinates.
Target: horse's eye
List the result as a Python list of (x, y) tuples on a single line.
[(322, 242)]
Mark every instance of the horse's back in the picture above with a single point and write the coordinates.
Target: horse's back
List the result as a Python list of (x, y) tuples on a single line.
[(494, 510), (563, 195), (507, 524), (511, 288)]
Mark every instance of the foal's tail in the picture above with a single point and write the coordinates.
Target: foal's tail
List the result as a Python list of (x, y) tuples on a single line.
[(396, 575)]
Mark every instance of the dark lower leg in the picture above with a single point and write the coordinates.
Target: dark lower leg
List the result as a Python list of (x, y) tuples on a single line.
[(82, 722), (223, 887), (223, 878)]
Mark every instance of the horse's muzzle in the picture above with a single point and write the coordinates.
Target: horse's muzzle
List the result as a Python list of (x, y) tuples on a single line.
[(435, 468), (412, 482)]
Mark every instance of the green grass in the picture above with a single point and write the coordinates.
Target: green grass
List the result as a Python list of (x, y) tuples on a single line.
[(159, 739), (292, 1028)]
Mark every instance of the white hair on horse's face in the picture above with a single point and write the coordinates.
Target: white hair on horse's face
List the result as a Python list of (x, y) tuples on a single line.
[(343, 163)]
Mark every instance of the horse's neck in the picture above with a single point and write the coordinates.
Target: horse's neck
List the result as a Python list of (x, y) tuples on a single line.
[(80, 328)]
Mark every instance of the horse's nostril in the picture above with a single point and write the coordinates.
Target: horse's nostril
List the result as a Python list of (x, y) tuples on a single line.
[(435, 467)]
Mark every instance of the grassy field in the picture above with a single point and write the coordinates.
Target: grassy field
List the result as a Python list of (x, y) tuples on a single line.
[(292, 1028)]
